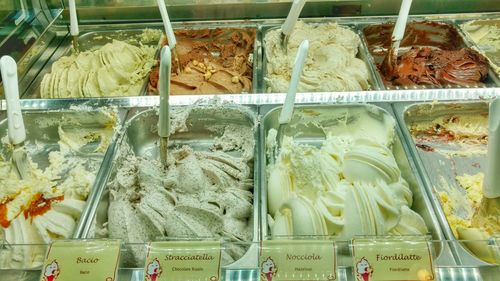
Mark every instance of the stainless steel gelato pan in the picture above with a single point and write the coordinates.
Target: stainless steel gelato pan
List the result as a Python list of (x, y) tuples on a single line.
[(209, 188), (325, 140), (65, 149), (449, 142)]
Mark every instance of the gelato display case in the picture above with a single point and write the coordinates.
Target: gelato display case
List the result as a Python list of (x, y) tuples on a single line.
[(367, 154)]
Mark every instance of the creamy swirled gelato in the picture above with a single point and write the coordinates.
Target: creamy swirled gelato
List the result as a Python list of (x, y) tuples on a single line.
[(331, 64), (200, 193), (115, 69), (350, 185)]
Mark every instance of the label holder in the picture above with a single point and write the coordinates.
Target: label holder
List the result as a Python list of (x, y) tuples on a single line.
[(86, 260), (175, 259), (393, 258), (298, 259)]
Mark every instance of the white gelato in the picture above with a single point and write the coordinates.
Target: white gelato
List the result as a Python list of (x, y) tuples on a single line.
[(116, 69), (331, 63), (347, 187)]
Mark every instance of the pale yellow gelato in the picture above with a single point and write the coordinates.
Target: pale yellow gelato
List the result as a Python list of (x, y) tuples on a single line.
[(116, 69), (486, 35), (331, 63), (468, 224), (472, 129)]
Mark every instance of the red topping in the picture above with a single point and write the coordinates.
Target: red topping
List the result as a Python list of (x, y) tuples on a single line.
[(39, 205)]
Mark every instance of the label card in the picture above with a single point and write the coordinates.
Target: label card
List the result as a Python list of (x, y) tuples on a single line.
[(295, 260), (392, 259), (183, 260), (83, 260)]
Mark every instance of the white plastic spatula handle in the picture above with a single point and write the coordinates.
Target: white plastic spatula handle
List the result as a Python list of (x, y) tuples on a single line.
[(164, 76), (292, 17), (73, 19), (17, 133), (167, 24), (399, 28), (300, 59), (491, 188)]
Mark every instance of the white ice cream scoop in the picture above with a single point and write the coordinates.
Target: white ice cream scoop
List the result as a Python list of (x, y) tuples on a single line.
[(16, 129), (491, 188), (164, 118), (397, 35), (291, 19), (73, 24), (287, 110), (169, 31)]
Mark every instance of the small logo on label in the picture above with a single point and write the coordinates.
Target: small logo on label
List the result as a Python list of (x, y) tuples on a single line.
[(363, 270), (153, 270), (268, 269), (51, 271)]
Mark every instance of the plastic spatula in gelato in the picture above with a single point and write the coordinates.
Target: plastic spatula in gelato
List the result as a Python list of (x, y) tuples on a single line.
[(287, 109), (291, 19), (169, 31), (15, 123), (391, 58), (73, 24), (490, 205), (164, 119)]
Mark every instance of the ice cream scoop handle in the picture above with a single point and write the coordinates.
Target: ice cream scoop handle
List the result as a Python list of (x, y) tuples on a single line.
[(300, 59), (399, 28), (73, 19), (15, 124), (165, 68), (292, 17), (491, 187), (167, 24)]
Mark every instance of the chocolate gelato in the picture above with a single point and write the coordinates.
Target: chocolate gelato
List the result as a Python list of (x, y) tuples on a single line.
[(426, 66), (425, 33), (212, 61)]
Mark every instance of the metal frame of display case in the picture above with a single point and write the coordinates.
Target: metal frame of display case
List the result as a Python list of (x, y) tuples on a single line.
[(51, 20)]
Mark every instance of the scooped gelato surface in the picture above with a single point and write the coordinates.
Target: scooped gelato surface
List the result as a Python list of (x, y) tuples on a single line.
[(350, 185), (201, 193), (116, 69), (211, 61), (48, 205), (331, 65), (426, 66), (423, 34), (486, 35)]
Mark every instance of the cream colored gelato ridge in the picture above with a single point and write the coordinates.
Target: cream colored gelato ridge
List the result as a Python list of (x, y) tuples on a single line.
[(116, 69), (331, 64)]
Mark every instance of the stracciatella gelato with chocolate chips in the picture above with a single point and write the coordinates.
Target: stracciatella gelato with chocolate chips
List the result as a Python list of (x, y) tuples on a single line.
[(200, 192)]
